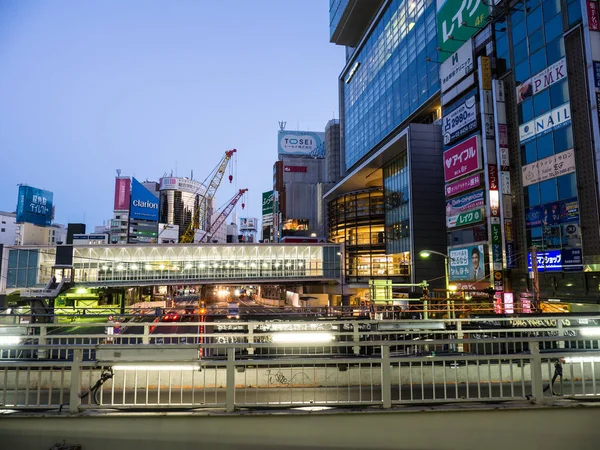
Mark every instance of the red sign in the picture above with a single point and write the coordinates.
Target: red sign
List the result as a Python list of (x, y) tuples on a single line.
[(301, 169), (493, 177), (593, 18), (463, 185), (122, 193), (462, 159)]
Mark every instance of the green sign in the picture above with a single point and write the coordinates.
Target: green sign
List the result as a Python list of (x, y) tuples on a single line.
[(457, 21), (267, 203), (467, 218)]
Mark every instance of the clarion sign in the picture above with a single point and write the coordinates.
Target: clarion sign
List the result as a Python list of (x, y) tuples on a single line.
[(144, 204), (558, 117)]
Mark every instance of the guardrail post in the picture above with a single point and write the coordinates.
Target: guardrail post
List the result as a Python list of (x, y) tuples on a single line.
[(146, 337), (386, 377), (355, 338), (75, 388), (230, 380), (42, 352), (537, 383), (459, 335), (561, 344), (250, 338)]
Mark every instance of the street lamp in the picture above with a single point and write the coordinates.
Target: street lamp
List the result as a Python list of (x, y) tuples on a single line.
[(427, 254)]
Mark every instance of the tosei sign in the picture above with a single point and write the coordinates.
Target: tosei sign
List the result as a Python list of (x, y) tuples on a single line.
[(460, 121), (301, 143), (462, 159)]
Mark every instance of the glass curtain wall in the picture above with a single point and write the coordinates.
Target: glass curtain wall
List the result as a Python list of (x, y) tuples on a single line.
[(552, 217), (392, 77)]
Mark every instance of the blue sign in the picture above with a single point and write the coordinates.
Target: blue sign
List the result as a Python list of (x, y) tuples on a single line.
[(557, 260), (34, 206), (597, 74), (144, 205), (555, 213)]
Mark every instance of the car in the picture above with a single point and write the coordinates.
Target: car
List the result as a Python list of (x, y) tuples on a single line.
[(171, 317)]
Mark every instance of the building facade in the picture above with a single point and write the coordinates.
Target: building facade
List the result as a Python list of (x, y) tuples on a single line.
[(179, 201), (8, 228), (388, 205)]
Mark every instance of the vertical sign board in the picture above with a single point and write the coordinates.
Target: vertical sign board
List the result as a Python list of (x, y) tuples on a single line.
[(122, 193), (489, 155), (459, 65), (593, 16), (267, 208), (457, 21)]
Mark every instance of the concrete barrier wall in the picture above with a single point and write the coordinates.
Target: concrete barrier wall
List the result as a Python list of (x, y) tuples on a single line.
[(549, 428)]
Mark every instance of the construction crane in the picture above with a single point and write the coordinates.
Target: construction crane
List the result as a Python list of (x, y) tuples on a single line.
[(224, 214), (199, 215)]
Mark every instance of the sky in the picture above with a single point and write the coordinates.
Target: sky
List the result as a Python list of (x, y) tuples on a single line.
[(150, 87)]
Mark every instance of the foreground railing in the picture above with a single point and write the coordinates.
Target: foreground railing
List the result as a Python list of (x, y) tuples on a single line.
[(157, 377)]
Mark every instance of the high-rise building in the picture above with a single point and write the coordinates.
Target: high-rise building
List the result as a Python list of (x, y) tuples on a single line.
[(179, 201), (515, 86), (119, 224), (388, 205)]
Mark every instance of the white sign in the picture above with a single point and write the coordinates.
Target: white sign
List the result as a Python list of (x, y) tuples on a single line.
[(460, 121), (505, 183), (550, 167), (542, 80), (181, 184), (558, 117), (458, 89), (457, 66)]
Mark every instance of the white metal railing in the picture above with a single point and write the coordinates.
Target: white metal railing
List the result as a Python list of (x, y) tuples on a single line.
[(154, 376)]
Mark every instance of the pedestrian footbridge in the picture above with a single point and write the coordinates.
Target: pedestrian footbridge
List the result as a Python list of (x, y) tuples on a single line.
[(150, 264)]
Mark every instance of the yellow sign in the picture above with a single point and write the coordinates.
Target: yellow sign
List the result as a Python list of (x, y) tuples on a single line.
[(498, 275), (486, 73)]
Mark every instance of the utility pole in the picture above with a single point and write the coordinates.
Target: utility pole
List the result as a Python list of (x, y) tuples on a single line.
[(535, 277)]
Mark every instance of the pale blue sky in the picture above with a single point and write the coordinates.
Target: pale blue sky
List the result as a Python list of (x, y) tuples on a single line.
[(87, 87)]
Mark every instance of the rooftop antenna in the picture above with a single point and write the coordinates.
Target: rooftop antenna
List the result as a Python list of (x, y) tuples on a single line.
[(282, 125), (192, 174), (118, 173)]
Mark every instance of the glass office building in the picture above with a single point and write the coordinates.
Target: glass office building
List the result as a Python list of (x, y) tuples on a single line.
[(389, 77)]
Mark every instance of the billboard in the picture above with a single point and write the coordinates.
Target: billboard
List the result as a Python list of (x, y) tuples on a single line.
[(248, 223), (463, 185), (542, 80), (457, 21), (557, 118), (295, 169), (457, 66), (555, 213), (144, 205), (466, 263), (180, 184), (301, 143), (550, 167), (462, 159), (465, 203), (34, 206), (460, 120), (122, 193), (557, 260)]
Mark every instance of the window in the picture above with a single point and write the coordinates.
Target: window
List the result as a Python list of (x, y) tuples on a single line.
[(522, 72), (534, 20), (541, 103), (526, 110), (555, 50), (530, 152), (3, 222), (545, 146), (554, 27), (563, 139), (567, 186), (559, 94), (2, 230), (538, 61), (551, 8), (548, 191), (536, 40), (533, 194)]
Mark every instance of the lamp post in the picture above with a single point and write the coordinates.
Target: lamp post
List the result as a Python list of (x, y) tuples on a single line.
[(427, 254)]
